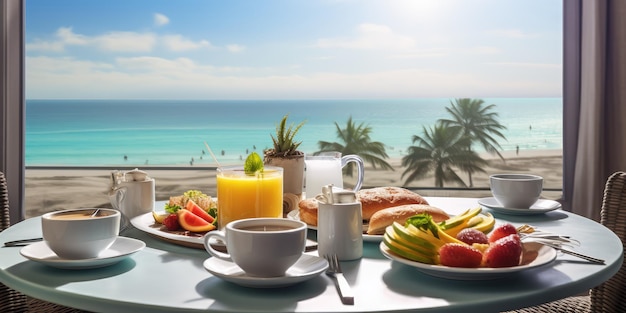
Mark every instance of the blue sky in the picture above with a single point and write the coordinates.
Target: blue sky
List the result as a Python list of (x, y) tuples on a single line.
[(292, 49)]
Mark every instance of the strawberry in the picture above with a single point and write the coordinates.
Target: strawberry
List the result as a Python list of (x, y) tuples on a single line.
[(501, 232), (171, 222), (471, 236), (459, 255), (504, 252)]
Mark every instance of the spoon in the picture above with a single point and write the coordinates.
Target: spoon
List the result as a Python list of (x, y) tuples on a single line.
[(21, 242)]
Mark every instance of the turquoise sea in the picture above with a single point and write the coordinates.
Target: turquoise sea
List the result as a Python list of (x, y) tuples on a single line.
[(172, 132)]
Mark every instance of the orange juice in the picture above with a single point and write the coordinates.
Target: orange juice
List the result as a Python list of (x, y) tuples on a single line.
[(242, 196)]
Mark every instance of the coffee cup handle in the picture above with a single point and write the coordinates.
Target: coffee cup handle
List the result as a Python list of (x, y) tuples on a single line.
[(207, 246), (359, 166)]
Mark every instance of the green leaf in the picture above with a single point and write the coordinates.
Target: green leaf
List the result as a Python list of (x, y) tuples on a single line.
[(424, 221), (253, 164), (171, 208)]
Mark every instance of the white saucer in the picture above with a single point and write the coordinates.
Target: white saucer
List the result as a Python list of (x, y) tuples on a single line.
[(307, 267), (539, 207), (121, 248)]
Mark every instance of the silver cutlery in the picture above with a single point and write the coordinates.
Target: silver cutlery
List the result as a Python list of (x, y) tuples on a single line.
[(334, 270), (21, 242), (530, 233), (576, 254)]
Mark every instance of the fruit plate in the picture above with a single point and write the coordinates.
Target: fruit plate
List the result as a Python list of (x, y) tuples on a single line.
[(295, 215), (146, 223), (535, 255)]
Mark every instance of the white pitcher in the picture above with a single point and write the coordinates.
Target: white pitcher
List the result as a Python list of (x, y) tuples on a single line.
[(325, 169), (132, 193)]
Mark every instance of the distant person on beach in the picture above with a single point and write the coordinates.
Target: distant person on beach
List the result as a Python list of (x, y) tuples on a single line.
[(516, 150), (223, 152), (125, 157)]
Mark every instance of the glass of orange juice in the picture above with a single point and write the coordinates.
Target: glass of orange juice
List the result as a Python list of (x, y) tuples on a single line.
[(240, 195)]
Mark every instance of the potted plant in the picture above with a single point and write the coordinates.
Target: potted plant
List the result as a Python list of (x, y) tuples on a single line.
[(286, 155)]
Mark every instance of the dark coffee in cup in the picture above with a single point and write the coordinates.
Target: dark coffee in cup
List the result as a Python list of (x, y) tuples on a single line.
[(266, 228)]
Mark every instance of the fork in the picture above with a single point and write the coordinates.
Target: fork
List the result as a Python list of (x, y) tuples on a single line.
[(554, 241), (334, 270)]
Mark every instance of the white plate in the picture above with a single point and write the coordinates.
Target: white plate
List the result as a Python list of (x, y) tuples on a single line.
[(145, 223), (539, 207), (544, 255), (295, 215), (121, 248), (307, 267)]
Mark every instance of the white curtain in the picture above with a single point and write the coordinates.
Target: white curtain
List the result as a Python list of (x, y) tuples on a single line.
[(594, 100)]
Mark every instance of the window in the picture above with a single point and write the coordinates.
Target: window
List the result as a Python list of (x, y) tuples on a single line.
[(146, 83)]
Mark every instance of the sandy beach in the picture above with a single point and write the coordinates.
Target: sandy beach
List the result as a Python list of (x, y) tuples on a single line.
[(56, 189)]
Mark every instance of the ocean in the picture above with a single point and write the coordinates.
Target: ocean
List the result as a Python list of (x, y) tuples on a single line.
[(173, 132)]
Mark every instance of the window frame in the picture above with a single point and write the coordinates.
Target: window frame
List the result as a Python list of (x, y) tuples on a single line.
[(12, 117), (12, 98)]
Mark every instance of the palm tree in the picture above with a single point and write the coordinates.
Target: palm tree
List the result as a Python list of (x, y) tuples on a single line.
[(356, 140), (440, 150), (477, 122)]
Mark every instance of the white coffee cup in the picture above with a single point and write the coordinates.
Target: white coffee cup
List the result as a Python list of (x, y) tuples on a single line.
[(516, 191), (261, 247), (78, 234)]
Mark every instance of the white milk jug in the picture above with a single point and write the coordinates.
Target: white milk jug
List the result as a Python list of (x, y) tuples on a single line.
[(132, 193)]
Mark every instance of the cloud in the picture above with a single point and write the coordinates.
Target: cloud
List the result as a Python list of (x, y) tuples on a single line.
[(160, 19), (121, 41), (156, 65), (179, 43), (67, 36), (369, 37), (46, 46), (125, 41), (529, 64), (234, 48), (421, 54), (64, 36), (148, 77), (484, 50), (509, 33)]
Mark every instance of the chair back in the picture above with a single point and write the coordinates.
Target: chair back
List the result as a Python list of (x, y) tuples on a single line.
[(611, 295), (10, 300), (5, 221)]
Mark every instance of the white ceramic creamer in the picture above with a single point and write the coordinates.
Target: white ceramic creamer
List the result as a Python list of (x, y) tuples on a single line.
[(132, 193), (339, 224)]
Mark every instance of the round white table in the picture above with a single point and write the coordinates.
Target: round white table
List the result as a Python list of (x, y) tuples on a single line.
[(165, 277)]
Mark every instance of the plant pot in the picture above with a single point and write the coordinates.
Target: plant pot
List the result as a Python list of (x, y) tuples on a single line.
[(293, 172)]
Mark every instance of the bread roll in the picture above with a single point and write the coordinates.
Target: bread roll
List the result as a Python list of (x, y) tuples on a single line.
[(308, 211), (375, 199), (383, 218), (372, 200)]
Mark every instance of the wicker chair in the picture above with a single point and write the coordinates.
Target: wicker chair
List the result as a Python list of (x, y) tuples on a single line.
[(11, 300), (610, 296)]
